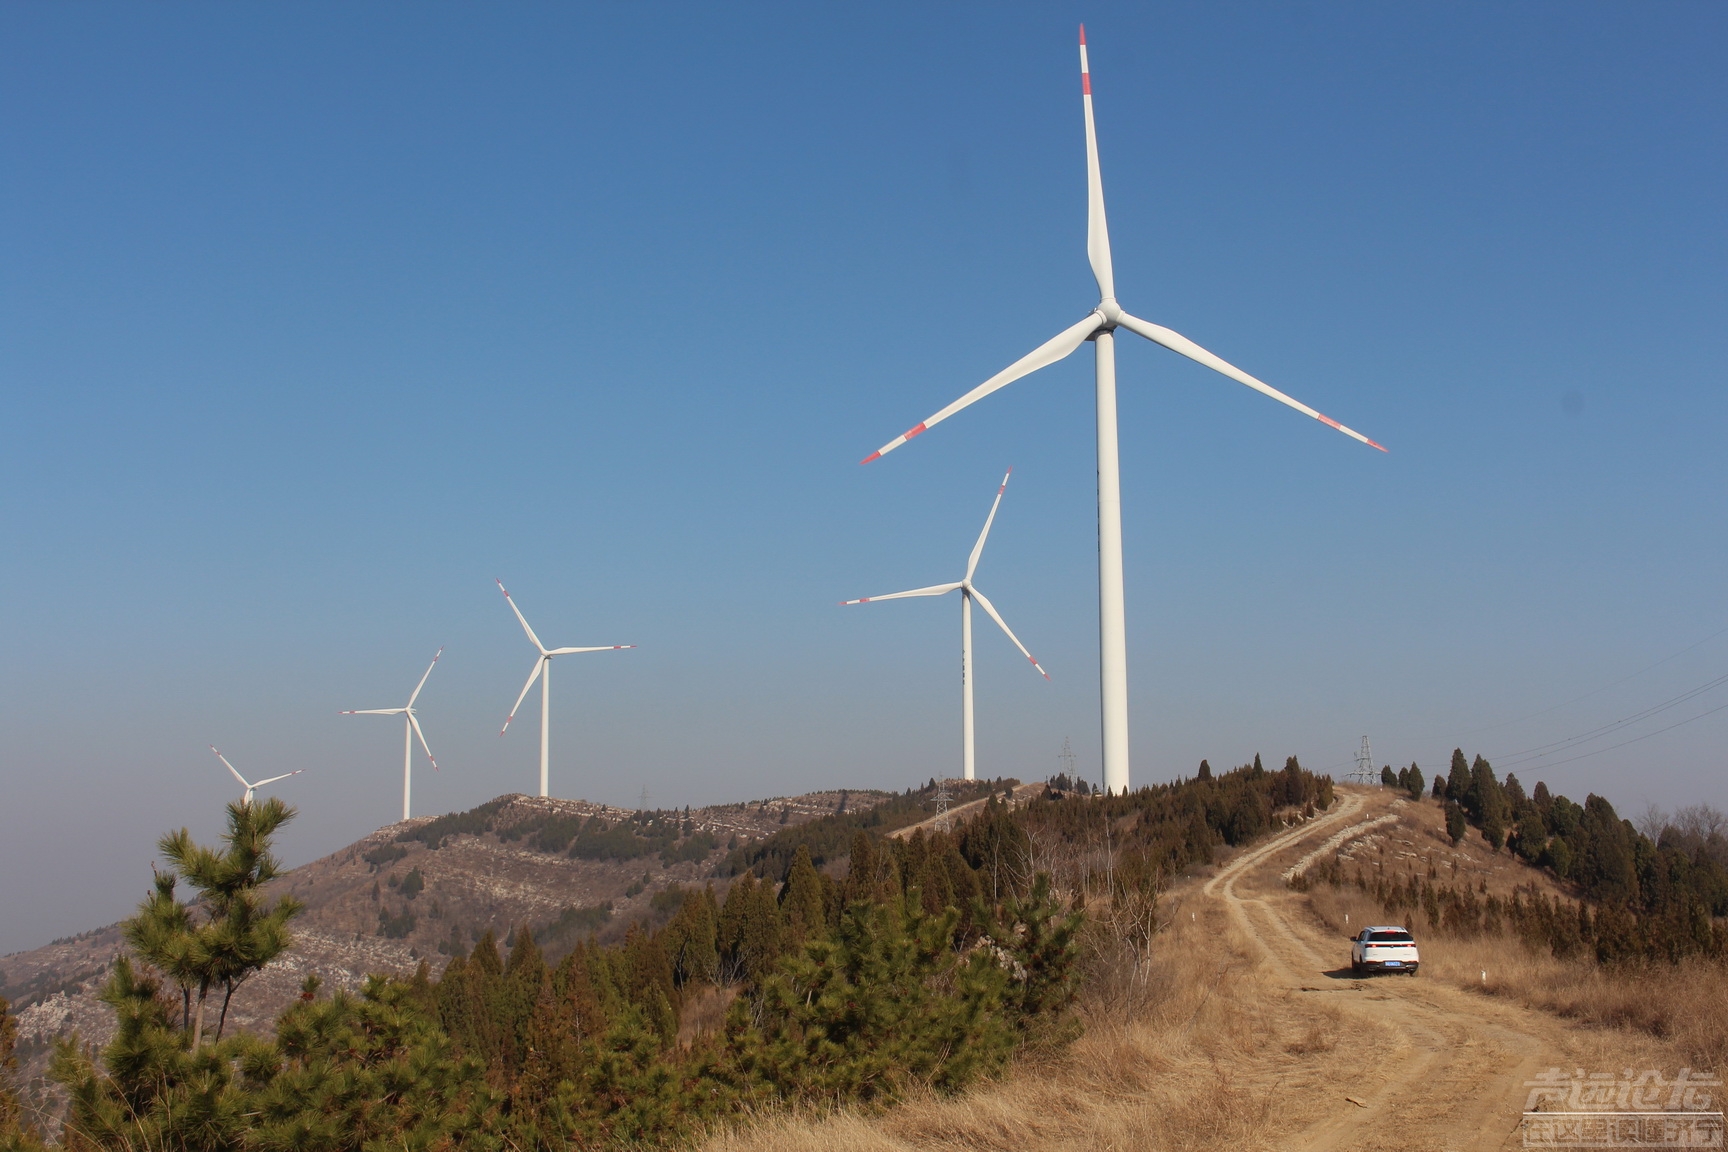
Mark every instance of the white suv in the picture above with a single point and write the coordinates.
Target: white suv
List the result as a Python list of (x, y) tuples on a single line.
[(1384, 948)]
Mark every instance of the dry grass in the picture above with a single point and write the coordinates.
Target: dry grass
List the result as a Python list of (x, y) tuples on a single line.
[(1685, 1005), (1178, 1052), (705, 1013)]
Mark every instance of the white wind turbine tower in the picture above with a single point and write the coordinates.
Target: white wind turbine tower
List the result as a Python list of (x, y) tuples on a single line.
[(247, 784), (543, 672), (968, 593), (410, 729), (1099, 326)]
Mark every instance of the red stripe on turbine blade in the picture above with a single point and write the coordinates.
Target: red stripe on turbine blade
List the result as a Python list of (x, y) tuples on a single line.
[(1082, 35), (871, 457), (1328, 421), (921, 426), (1371, 444), (1085, 83)]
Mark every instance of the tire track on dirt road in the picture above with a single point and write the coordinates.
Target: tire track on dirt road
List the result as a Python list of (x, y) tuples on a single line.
[(1456, 1076)]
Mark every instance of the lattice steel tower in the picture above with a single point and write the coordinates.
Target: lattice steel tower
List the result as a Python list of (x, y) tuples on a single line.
[(1364, 773)]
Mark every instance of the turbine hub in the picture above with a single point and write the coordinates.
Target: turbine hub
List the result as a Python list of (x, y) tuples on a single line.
[(1110, 310)]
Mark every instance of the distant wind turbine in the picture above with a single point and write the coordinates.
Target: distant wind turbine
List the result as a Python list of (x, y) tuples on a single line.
[(247, 784), (410, 729), (968, 593), (1099, 326), (543, 672)]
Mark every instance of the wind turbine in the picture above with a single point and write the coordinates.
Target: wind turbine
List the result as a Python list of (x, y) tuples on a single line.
[(410, 729), (1099, 326), (247, 784), (968, 593), (543, 672)]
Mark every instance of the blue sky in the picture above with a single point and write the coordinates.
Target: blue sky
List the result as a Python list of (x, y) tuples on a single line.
[(316, 318)]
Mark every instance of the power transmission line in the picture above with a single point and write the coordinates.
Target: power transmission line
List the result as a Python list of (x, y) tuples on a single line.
[(1605, 687), (1634, 740), (1554, 747)]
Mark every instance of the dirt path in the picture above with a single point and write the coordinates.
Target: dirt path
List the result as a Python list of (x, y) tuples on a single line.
[(1454, 1078), (962, 812)]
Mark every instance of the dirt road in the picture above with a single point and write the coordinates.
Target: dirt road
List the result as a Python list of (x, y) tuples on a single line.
[(1453, 1064), (963, 812)]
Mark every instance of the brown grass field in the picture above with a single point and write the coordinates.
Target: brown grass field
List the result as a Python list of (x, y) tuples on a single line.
[(1230, 1031)]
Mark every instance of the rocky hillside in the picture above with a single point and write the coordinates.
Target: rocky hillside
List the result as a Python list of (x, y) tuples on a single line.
[(424, 888)]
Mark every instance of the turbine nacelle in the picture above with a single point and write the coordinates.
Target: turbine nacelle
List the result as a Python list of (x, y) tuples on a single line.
[(251, 786)]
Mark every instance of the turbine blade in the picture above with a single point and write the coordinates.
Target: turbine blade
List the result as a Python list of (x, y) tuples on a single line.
[(231, 770), (1178, 343), (978, 548), (284, 776), (373, 712), (933, 590), (1097, 231), (601, 648), (423, 743), (422, 683), (1042, 356), (532, 676), (1003, 624), (520, 617)]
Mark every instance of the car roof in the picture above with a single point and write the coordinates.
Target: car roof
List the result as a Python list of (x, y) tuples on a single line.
[(1387, 928)]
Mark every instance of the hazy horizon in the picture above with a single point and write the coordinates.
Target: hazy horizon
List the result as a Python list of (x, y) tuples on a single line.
[(318, 319)]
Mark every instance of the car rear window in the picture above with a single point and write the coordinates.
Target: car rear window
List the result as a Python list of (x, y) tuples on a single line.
[(1391, 937)]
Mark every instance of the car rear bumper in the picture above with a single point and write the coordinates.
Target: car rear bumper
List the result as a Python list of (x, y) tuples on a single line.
[(1391, 965)]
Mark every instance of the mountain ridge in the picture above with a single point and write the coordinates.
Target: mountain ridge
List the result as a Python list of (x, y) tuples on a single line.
[(421, 889)]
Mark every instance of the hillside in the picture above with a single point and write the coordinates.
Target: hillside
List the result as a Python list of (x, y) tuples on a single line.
[(1240, 1026), (424, 888)]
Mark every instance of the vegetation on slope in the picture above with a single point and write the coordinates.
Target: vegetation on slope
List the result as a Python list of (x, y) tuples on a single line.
[(1639, 897), (828, 838), (925, 963)]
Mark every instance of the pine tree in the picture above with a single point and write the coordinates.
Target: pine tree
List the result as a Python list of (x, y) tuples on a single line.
[(1532, 837), (863, 874), (730, 932), (1388, 778), (648, 982), (761, 935), (1458, 779), (1487, 802), (1043, 942), (1414, 782), (240, 931), (691, 940), (801, 899), (1455, 821), (884, 1005)]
